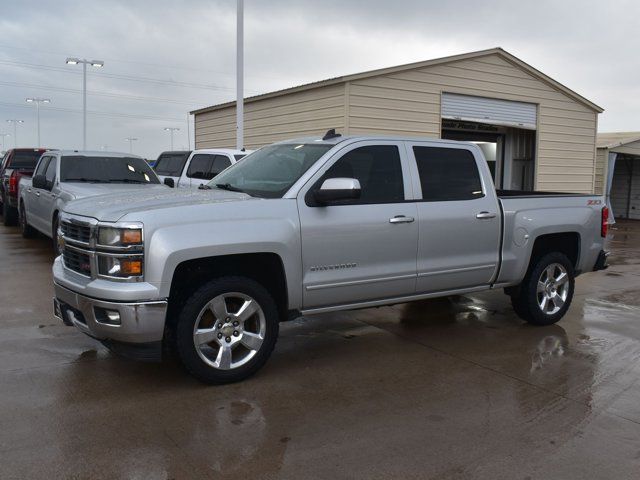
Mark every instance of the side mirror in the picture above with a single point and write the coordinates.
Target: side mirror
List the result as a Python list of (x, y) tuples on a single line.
[(337, 189), (39, 181), (170, 182)]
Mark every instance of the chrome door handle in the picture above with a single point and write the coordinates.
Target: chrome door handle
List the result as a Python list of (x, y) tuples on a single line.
[(485, 215), (401, 219), (37, 193)]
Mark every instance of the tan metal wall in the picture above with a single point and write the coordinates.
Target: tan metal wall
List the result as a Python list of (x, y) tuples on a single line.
[(601, 169), (266, 121), (408, 103)]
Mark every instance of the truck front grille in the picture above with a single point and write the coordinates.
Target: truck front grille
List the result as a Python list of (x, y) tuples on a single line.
[(77, 261), (73, 231)]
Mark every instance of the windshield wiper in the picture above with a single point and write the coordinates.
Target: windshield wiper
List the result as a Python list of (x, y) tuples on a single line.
[(229, 187), (126, 180), (84, 179)]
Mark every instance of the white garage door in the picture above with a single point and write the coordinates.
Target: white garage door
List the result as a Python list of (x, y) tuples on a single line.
[(489, 110)]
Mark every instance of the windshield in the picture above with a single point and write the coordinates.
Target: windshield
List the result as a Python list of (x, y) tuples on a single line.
[(171, 164), (24, 158), (270, 171), (106, 170)]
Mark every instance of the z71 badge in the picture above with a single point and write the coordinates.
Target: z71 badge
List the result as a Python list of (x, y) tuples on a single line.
[(594, 202)]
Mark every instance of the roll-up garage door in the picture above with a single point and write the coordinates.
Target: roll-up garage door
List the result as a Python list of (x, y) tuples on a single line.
[(489, 110)]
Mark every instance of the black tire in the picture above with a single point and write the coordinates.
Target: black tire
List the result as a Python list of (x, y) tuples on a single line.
[(526, 299), (9, 215), (54, 236), (185, 344), (27, 230)]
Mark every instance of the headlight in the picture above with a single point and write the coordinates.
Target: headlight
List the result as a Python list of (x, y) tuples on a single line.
[(118, 237), (120, 266)]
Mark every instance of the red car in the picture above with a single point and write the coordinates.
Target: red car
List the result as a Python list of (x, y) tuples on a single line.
[(15, 163)]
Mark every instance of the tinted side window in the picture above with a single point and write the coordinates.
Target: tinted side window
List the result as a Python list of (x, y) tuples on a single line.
[(447, 174), (377, 168), (42, 166), (220, 162), (200, 167), (50, 174)]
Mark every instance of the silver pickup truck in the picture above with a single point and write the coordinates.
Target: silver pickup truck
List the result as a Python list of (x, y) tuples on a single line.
[(62, 176), (307, 226)]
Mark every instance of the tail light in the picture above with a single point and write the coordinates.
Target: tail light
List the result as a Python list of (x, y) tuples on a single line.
[(13, 183), (604, 225)]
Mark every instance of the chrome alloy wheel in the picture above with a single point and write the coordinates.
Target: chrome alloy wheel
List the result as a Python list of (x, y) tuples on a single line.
[(229, 331), (553, 288)]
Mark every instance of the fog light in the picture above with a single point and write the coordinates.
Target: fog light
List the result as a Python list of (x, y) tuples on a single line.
[(109, 317)]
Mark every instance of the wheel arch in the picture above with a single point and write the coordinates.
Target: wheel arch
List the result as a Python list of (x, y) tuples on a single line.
[(567, 243), (265, 268)]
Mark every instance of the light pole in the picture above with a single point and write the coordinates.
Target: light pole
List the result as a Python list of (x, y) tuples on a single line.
[(240, 76), (4, 135), (84, 62), (15, 136), (38, 101), (130, 140), (171, 130)]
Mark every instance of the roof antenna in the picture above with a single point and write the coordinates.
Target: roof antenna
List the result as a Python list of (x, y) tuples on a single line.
[(331, 133), (243, 149)]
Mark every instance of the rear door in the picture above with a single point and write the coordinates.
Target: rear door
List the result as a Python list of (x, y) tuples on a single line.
[(47, 198), (458, 217), (364, 249)]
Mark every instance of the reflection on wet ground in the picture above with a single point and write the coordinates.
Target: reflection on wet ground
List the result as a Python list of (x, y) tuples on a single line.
[(448, 388)]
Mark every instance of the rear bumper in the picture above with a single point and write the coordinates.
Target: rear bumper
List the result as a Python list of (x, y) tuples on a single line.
[(111, 322), (601, 262)]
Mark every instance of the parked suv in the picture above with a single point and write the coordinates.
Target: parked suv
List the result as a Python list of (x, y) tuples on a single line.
[(16, 163), (314, 225)]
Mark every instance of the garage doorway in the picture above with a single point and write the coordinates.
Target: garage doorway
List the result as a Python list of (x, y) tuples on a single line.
[(625, 188), (509, 151)]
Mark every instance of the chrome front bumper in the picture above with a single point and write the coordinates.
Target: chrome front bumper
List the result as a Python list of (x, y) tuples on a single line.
[(139, 322)]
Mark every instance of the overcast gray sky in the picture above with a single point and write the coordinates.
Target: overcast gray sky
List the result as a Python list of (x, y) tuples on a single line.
[(164, 58)]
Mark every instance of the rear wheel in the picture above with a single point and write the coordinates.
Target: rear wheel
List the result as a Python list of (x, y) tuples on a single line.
[(547, 291), (227, 330), (27, 230)]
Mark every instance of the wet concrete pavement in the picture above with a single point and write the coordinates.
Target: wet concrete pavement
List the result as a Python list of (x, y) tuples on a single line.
[(454, 388)]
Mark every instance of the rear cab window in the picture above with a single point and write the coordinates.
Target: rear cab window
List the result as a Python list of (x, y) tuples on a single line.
[(24, 159), (447, 174)]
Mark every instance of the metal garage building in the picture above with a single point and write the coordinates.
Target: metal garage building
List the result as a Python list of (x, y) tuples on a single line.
[(535, 132), (618, 172)]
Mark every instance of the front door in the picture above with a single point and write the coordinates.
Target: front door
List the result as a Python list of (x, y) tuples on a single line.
[(459, 217), (363, 249), (33, 206)]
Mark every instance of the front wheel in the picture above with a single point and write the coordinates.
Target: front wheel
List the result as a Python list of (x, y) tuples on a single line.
[(547, 290), (227, 330)]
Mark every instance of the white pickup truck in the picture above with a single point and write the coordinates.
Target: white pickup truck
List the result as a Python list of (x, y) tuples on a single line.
[(314, 225), (192, 169), (62, 176)]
